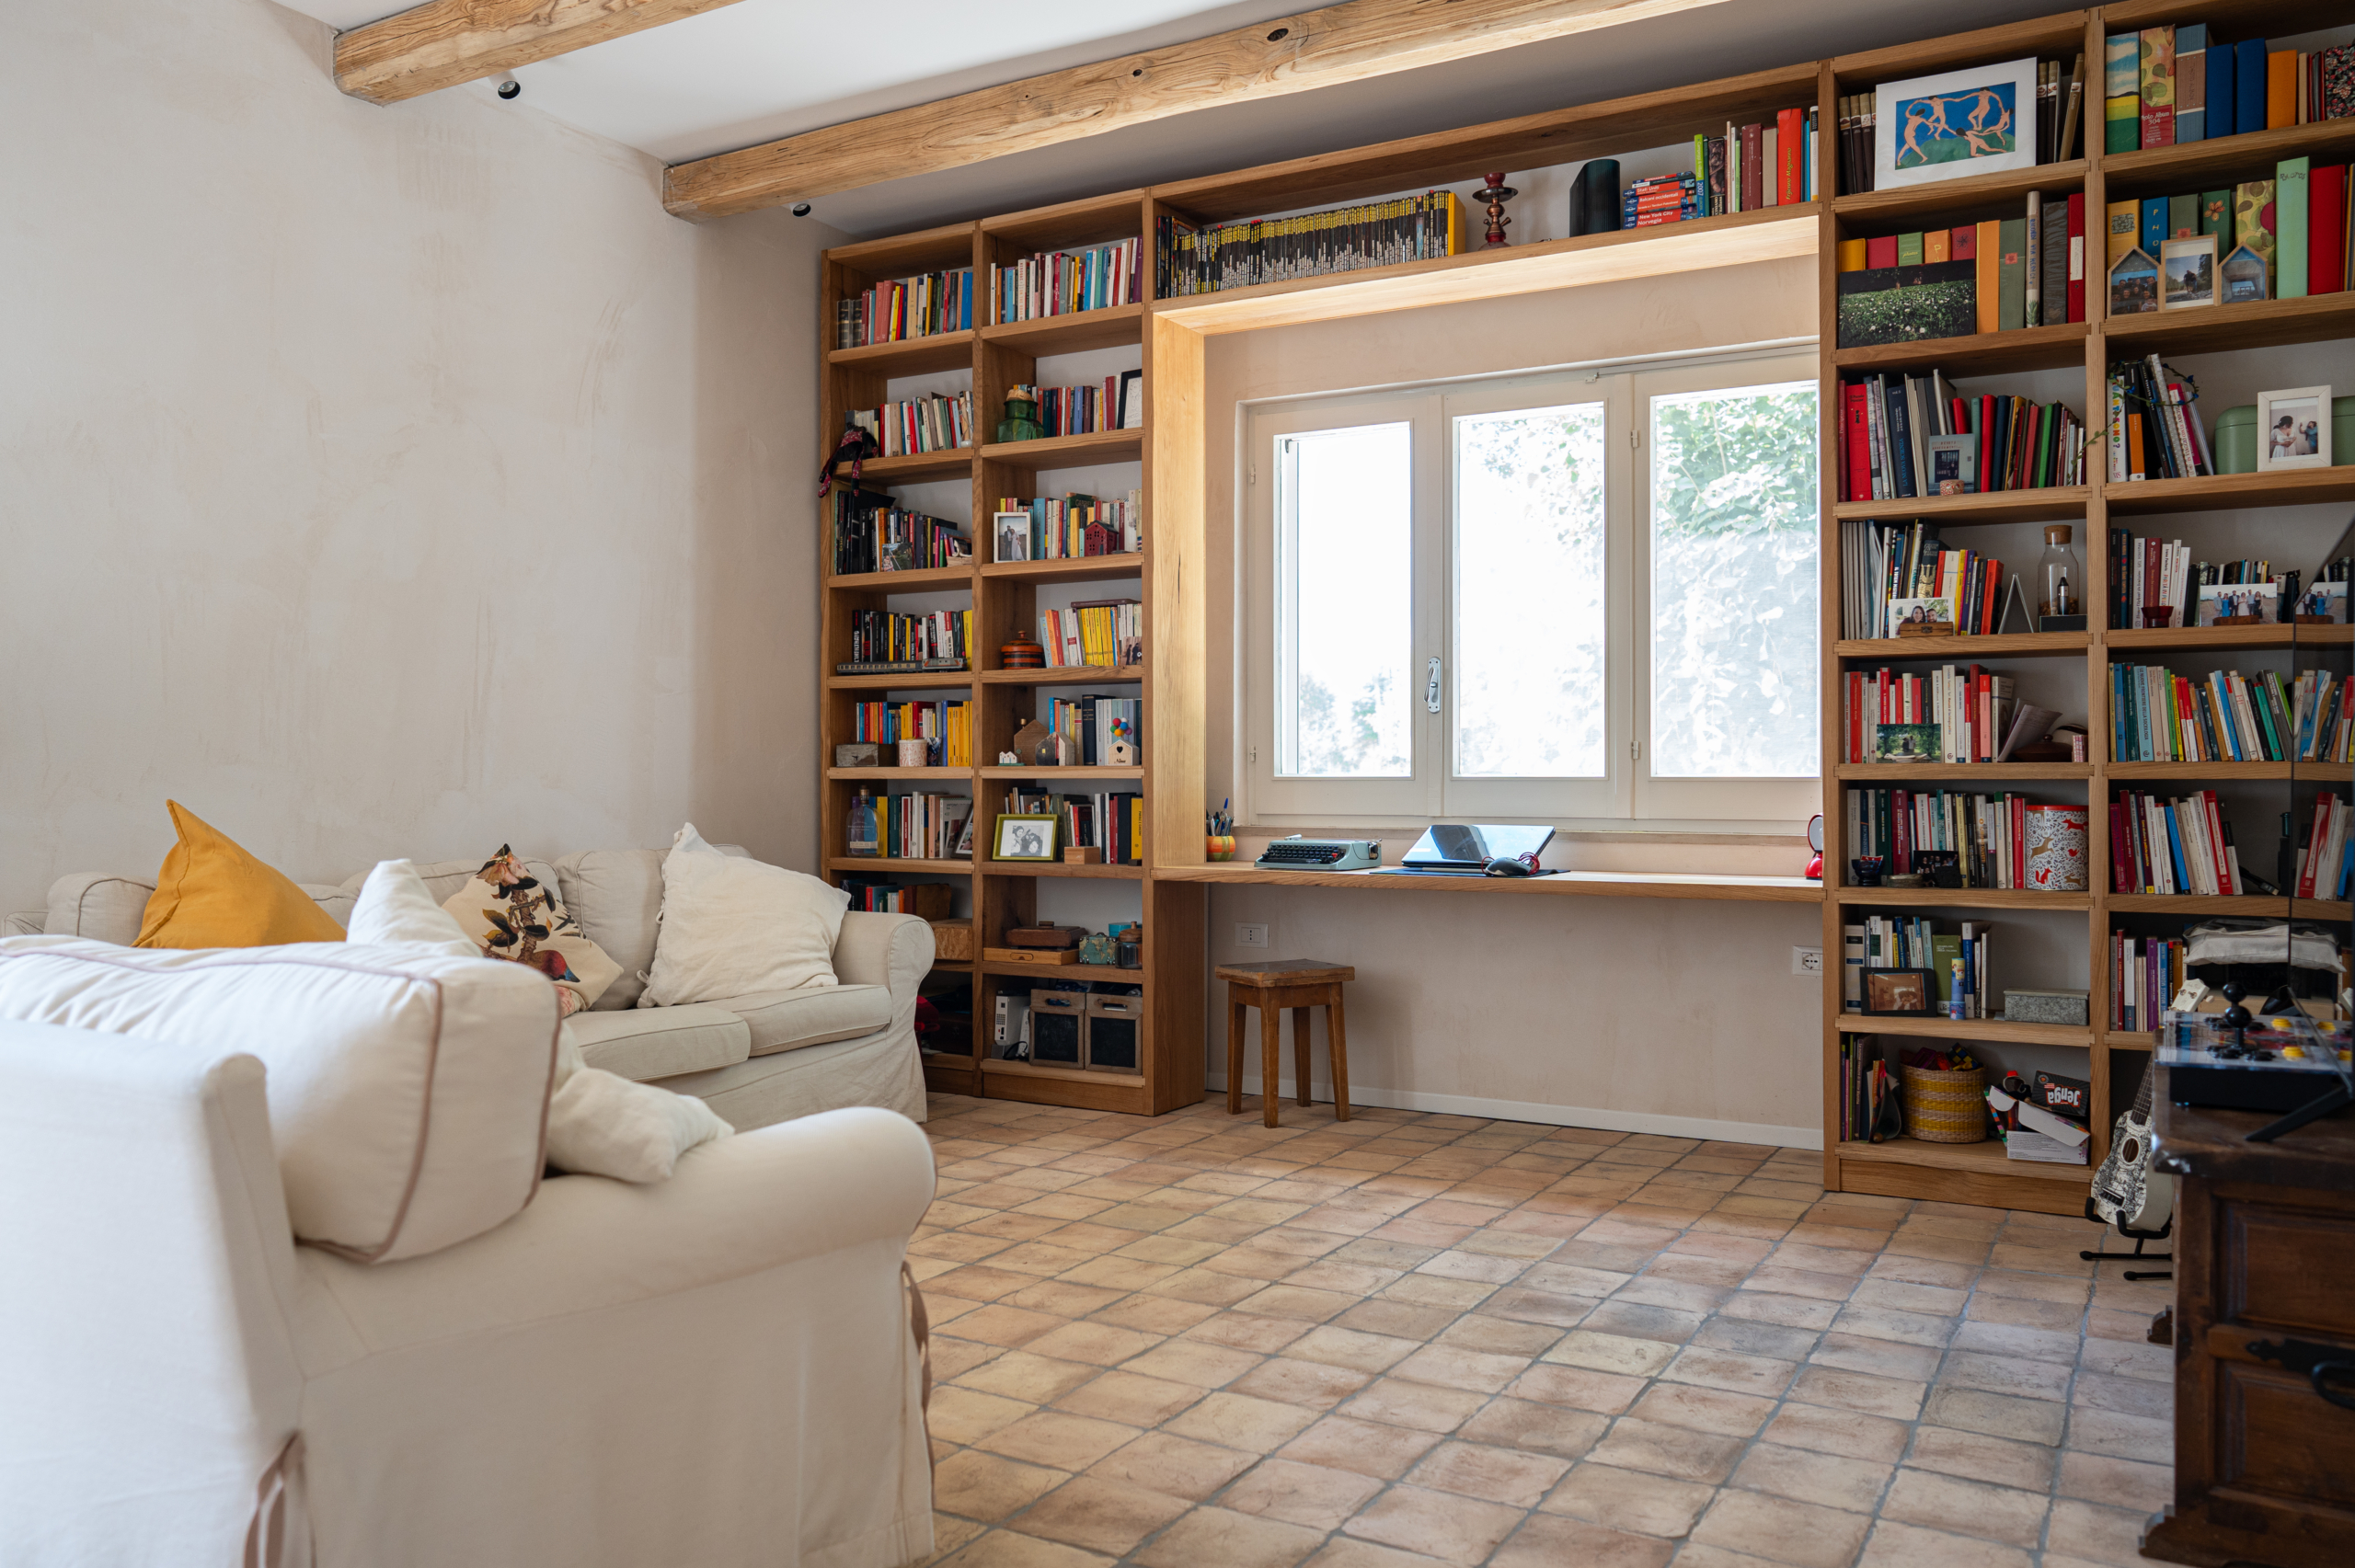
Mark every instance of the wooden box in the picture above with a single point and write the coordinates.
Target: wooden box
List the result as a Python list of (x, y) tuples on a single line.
[(952, 941)]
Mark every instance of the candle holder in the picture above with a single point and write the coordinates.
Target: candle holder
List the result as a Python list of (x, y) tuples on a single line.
[(1496, 194)]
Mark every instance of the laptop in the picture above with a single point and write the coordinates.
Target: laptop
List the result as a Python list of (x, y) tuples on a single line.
[(1464, 849)]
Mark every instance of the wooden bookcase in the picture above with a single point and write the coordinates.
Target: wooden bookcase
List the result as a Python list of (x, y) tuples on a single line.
[(1171, 452)]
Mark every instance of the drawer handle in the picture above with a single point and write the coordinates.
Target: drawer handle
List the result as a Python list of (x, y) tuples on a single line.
[(2319, 1375)]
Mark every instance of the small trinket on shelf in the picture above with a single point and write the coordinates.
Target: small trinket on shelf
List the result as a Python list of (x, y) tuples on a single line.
[(1495, 193)]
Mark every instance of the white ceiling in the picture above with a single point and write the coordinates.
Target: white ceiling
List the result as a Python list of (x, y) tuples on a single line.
[(762, 69)]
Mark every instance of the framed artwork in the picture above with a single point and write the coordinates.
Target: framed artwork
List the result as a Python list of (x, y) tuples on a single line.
[(1023, 836), (1954, 464), (1899, 993), (2244, 277), (1906, 743), (2236, 604), (1011, 530), (2133, 283), (2293, 429), (2188, 271), (1980, 120)]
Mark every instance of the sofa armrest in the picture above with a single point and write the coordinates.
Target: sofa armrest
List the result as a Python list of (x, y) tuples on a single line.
[(884, 950)]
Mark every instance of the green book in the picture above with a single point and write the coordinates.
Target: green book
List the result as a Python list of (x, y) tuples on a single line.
[(1945, 951), (2011, 275), (1909, 251), (2290, 229), (2122, 93), (2216, 218), (2183, 216)]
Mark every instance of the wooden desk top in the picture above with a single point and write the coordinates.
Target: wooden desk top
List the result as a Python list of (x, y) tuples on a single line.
[(1571, 883), (2319, 1155)]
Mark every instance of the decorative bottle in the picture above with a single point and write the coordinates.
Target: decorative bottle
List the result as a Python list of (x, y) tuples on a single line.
[(2060, 577), (1021, 421)]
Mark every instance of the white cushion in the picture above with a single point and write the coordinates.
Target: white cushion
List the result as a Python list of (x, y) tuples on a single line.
[(788, 1020), (616, 895), (735, 927), (444, 877), (657, 1042), (407, 1091), (395, 910), (602, 1124), (109, 909)]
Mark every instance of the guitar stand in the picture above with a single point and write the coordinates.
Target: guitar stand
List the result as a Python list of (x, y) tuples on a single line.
[(2138, 1255)]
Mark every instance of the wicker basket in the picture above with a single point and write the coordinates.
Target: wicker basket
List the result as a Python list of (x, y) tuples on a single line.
[(1945, 1107), (952, 941)]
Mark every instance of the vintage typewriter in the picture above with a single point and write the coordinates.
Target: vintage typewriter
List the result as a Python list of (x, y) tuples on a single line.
[(1296, 853)]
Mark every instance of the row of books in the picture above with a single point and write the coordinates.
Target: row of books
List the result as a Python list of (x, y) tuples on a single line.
[(934, 638), (2155, 431), (1063, 282), (1106, 633), (901, 308), (949, 725), (1116, 403), (2157, 715), (927, 901), (1866, 1088), (2058, 114), (1664, 198), (2294, 227), (1067, 529), (916, 826), (938, 422), (2144, 974), (2166, 86), (2147, 573), (1993, 276), (1112, 821), (2326, 864), (1094, 724), (1986, 835), (1766, 164), (1972, 715), (2171, 846), (1189, 259), (1909, 436), (1893, 574), (1912, 941), (871, 533)]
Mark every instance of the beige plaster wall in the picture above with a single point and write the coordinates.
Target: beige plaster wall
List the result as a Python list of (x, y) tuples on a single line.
[(1656, 1016), (381, 481)]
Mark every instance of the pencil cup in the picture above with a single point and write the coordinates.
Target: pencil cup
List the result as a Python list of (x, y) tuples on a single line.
[(1218, 846), (912, 753)]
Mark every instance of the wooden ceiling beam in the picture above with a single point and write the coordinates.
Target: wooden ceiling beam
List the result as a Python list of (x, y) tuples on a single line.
[(1353, 41), (445, 43)]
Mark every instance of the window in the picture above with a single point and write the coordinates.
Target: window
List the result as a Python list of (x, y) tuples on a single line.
[(1580, 598)]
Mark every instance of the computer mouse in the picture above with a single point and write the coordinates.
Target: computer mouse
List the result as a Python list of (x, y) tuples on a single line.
[(1512, 865)]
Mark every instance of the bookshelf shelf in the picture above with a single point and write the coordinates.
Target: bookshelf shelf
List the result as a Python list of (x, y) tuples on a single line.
[(911, 467), (2054, 504), (910, 775), (1071, 772), (917, 578), (1077, 569), (2194, 165), (2130, 1039), (910, 356), (2201, 906), (1968, 1029), (1071, 334), (1066, 675), (884, 862), (1962, 1173), (2028, 645), (2331, 773), (1962, 898), (1949, 202), (994, 1068), (914, 679), (2259, 324), (1985, 353), (2145, 639), (1058, 868), (1962, 773), (2219, 492), (1068, 451)]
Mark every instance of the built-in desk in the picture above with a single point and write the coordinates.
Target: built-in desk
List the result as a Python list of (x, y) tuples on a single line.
[(1562, 884)]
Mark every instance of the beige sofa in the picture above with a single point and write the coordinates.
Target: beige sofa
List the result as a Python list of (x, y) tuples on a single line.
[(755, 1060)]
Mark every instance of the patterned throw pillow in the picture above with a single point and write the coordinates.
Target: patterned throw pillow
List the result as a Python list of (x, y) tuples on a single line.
[(510, 915)]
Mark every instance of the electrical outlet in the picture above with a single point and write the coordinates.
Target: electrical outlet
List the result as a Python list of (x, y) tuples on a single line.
[(1250, 936), (1806, 960)]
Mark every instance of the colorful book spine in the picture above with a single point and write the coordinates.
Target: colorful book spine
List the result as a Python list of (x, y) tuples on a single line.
[(2290, 193), (2253, 223), (2222, 112), (2122, 92), (2155, 58), (2192, 83), (2248, 85)]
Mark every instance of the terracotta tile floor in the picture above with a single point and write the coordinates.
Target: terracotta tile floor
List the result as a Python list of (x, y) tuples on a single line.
[(1198, 1342)]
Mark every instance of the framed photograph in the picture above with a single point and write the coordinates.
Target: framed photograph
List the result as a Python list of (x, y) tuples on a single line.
[(2293, 429), (2189, 269), (1980, 121), (1024, 837), (1011, 530), (2325, 603), (1920, 617), (1899, 993), (2244, 277), (1906, 743), (1954, 464), (2236, 604), (2133, 283)]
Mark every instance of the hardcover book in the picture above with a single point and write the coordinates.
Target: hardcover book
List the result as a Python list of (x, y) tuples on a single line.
[(2192, 83), (2122, 95), (2253, 223), (2290, 229), (2221, 111), (2011, 279), (2156, 84)]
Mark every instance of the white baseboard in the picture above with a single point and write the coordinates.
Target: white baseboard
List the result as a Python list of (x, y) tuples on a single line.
[(1558, 1115)]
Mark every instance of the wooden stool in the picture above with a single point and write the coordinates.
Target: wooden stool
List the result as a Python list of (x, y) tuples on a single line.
[(1299, 984)]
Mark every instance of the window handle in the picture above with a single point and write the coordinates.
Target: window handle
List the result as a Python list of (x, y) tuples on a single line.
[(1431, 685)]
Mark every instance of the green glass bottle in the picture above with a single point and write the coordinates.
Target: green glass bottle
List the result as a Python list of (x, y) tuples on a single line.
[(1021, 421)]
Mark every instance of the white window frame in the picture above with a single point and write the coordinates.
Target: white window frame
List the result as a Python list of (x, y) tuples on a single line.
[(1629, 799)]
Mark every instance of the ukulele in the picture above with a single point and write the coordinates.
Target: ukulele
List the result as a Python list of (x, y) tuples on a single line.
[(2126, 1192)]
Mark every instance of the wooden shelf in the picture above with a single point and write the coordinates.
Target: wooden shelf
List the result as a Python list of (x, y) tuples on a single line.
[(1962, 1173), (911, 679), (2131, 1039), (883, 864), (1999, 1029), (1071, 334), (1066, 675), (2221, 492), (910, 356), (2060, 502), (949, 244), (1962, 773), (2224, 160), (915, 579), (2207, 905), (2323, 772), (2028, 645), (1070, 771), (1572, 883), (908, 468), (1953, 201), (1081, 569), (1060, 868), (994, 1066), (1069, 451), (910, 775), (2143, 639), (1986, 353), (1098, 973), (1964, 897), (2259, 324)]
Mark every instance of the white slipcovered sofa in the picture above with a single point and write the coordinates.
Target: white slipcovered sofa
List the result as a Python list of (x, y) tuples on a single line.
[(718, 1369), (755, 1060)]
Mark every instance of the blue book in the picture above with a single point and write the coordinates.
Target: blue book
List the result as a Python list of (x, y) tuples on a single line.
[(1901, 436), (2175, 850), (2191, 117), (2248, 85), (2118, 748), (2222, 120), (2154, 225)]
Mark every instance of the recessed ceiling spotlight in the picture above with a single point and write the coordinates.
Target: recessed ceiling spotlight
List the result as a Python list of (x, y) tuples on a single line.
[(801, 209), (507, 88)]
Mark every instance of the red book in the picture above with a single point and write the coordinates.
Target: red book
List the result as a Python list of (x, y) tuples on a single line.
[(2326, 230), (1790, 148), (2120, 855), (1987, 476), (2019, 842), (1963, 242), (1902, 840), (1859, 446), (2076, 255), (1881, 252)]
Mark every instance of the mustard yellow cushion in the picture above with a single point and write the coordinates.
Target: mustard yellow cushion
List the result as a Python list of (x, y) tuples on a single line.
[(210, 893)]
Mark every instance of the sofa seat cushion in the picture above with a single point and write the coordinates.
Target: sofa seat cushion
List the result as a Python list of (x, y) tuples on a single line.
[(659, 1042), (788, 1020)]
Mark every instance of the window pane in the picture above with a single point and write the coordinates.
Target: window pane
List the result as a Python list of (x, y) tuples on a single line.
[(1733, 547), (1345, 603), (1529, 594)]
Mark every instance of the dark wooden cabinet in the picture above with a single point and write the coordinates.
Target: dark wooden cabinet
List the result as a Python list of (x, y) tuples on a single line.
[(2264, 1342)]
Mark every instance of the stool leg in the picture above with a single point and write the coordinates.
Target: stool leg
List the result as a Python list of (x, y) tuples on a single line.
[(1272, 1057), (1300, 1050), (1339, 1039), (1234, 1051)]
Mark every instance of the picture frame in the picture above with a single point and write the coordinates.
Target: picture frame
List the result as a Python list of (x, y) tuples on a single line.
[(2133, 283), (2323, 603), (2243, 277), (2188, 272), (2293, 429), (1980, 119), (1010, 536), (2235, 604), (1906, 743), (1899, 993), (1954, 464), (1025, 836), (1920, 617)]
